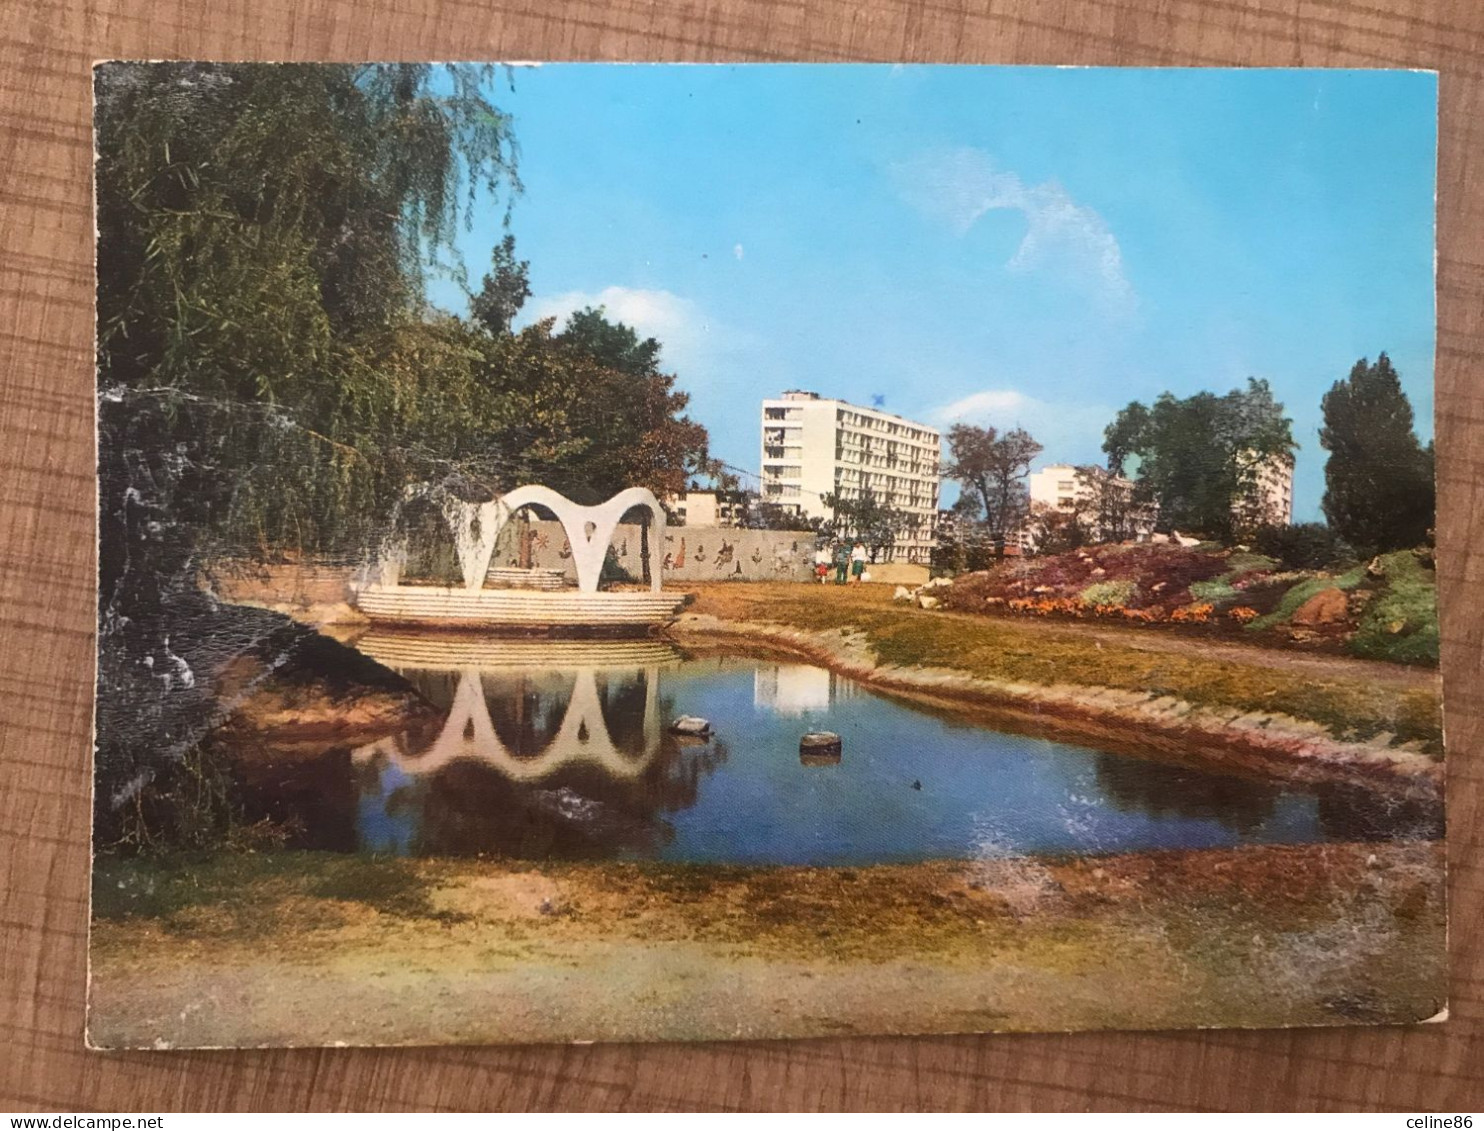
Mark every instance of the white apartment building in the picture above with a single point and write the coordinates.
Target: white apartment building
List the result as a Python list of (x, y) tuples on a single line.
[(815, 446), (1271, 500), (1097, 497), (1058, 485), (1088, 491), (707, 508)]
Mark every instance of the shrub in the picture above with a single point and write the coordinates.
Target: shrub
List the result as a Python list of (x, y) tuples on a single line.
[(1304, 545), (1217, 589), (1245, 561), (1114, 593), (1401, 623)]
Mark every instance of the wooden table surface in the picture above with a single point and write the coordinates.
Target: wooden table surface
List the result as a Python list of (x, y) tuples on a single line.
[(47, 533)]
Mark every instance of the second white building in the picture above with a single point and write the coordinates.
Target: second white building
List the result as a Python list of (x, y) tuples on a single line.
[(816, 446)]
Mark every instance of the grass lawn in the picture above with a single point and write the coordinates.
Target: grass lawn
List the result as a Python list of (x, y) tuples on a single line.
[(1340, 695)]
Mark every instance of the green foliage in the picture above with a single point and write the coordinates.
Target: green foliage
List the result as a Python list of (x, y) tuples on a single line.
[(1053, 530), (271, 377), (263, 359), (1117, 593), (1379, 492), (1304, 545), (1213, 591), (1401, 623), (1198, 457), (432, 557), (631, 413), (961, 543), (1247, 562)]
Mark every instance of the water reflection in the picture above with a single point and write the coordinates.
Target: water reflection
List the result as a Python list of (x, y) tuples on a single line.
[(528, 725), (794, 690), (1352, 812), (547, 748), (550, 749), (1139, 786)]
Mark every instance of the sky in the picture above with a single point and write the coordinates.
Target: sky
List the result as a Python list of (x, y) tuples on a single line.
[(995, 245)]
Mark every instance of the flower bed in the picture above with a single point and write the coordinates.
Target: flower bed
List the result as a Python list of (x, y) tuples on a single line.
[(1389, 611)]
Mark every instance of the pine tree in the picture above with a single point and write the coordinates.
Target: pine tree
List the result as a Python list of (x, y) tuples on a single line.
[(1379, 492)]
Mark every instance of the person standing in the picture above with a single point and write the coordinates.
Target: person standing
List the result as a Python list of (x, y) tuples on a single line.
[(842, 562), (857, 562), (822, 563)]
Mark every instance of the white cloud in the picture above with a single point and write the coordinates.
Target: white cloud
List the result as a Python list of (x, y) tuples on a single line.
[(691, 343), (659, 314), (988, 404), (1061, 235), (1069, 432)]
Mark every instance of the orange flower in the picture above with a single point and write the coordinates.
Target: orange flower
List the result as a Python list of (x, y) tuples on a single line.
[(1193, 614)]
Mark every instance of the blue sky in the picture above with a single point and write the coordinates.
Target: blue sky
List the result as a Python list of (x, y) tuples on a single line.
[(1032, 246)]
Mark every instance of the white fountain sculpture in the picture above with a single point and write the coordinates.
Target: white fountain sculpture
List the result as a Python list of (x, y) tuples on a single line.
[(476, 528)]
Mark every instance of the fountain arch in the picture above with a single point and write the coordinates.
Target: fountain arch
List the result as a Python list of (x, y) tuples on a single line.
[(589, 530), (476, 526)]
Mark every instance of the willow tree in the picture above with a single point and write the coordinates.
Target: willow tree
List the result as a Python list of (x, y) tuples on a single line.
[(268, 375), (264, 232)]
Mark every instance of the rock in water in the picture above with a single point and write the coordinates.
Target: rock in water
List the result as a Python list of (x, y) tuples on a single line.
[(819, 748), (691, 725)]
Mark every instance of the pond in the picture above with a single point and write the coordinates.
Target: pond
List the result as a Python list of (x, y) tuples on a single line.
[(562, 750)]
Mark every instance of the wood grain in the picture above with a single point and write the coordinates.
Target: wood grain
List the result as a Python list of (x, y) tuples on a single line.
[(47, 531)]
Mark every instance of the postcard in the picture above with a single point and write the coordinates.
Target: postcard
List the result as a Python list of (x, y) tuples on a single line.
[(597, 552)]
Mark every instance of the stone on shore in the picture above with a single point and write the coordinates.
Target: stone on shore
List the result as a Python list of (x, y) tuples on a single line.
[(1328, 606)]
